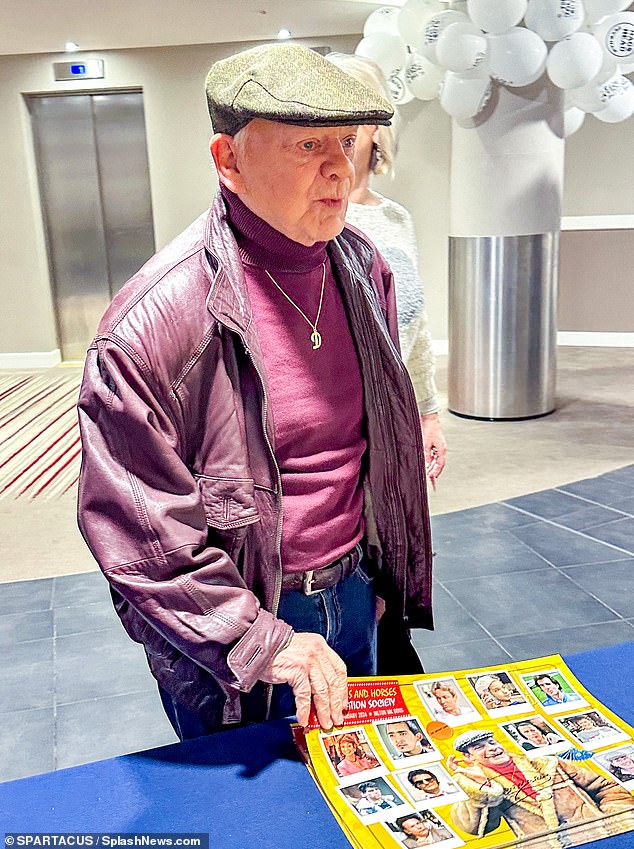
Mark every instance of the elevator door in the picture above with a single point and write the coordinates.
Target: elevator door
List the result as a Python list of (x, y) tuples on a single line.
[(95, 194)]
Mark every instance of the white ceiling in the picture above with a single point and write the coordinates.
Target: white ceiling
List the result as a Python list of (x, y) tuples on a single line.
[(43, 26)]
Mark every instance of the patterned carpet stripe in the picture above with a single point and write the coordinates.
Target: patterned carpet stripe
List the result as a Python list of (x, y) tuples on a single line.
[(39, 435)]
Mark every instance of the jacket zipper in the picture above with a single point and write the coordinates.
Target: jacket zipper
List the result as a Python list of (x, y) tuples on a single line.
[(278, 535)]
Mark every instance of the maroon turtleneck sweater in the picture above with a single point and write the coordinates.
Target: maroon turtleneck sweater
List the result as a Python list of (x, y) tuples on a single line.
[(315, 396)]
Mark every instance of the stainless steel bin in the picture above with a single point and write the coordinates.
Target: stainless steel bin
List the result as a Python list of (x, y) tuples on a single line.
[(502, 325)]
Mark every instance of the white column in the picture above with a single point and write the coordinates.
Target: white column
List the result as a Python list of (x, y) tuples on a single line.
[(506, 187)]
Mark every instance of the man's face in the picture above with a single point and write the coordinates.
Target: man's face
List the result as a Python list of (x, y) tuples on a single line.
[(403, 739), (426, 782), (296, 178), (549, 687), (532, 734), (585, 723), (488, 753), (447, 699), (373, 794), (416, 827), (624, 762)]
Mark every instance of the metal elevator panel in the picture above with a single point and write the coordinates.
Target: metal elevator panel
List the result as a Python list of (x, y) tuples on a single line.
[(95, 194), (125, 191)]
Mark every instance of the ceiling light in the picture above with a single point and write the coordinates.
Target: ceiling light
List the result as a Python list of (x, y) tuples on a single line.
[(284, 33), (71, 47)]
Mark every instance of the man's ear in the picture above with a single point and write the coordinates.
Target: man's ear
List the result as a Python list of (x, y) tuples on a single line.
[(224, 154)]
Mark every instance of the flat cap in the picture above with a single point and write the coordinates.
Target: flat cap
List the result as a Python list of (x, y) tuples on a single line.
[(470, 738), (292, 84)]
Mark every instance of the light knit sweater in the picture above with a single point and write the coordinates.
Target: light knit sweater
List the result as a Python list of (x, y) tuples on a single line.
[(389, 225)]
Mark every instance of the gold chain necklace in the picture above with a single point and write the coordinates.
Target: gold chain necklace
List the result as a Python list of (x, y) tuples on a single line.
[(315, 336)]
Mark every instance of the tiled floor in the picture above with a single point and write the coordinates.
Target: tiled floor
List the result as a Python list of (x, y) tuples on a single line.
[(548, 572), (552, 571)]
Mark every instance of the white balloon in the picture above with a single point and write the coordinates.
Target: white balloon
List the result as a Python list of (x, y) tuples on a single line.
[(461, 47), (597, 9), (496, 15), (596, 95), (388, 51), (399, 91), (575, 61), (433, 27), (413, 16), (554, 19), (573, 120), (423, 78), (465, 95), (383, 19), (620, 105), (616, 35), (516, 57)]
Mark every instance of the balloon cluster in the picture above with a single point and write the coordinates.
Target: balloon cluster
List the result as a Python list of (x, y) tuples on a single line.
[(459, 50)]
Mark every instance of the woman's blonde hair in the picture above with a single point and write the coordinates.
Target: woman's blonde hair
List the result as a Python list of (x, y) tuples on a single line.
[(368, 72)]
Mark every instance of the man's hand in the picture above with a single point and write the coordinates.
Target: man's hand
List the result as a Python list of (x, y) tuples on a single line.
[(435, 446), (314, 671), (472, 771)]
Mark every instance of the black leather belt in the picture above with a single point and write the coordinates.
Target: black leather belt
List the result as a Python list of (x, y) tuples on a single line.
[(315, 580)]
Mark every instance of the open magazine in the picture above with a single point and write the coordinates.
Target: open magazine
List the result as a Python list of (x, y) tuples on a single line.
[(515, 755)]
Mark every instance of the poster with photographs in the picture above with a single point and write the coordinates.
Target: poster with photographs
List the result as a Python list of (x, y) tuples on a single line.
[(397, 774), (536, 736), (422, 828), (619, 763), (428, 786), (405, 741), (445, 701), (374, 800), (352, 756), (591, 729), (498, 694), (552, 691)]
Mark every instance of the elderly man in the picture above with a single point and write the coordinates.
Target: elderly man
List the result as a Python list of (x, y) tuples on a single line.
[(534, 796), (253, 465)]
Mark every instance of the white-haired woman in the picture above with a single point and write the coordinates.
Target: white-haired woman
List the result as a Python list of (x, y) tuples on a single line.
[(389, 225)]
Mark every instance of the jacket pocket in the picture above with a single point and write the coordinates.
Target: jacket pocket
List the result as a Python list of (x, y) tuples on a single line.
[(228, 503)]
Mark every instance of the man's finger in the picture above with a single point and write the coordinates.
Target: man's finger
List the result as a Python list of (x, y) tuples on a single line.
[(302, 694), (322, 697)]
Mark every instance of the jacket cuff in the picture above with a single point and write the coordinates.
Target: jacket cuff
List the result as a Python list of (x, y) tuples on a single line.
[(256, 649)]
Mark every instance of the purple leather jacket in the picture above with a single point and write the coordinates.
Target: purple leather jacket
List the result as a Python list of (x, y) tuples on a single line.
[(180, 498)]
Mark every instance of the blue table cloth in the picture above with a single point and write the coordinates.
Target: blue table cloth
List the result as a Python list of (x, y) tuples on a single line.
[(246, 788)]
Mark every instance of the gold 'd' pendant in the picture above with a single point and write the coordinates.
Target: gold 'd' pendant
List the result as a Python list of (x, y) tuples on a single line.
[(315, 338)]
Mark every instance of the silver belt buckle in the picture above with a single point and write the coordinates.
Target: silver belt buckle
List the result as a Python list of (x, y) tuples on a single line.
[(307, 583)]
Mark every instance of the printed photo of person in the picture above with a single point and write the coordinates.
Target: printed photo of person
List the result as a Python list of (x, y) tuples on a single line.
[(533, 796), (535, 736), (423, 828), (405, 740), (374, 800), (446, 702), (429, 786), (552, 691), (592, 730), (351, 753), (498, 693), (619, 763)]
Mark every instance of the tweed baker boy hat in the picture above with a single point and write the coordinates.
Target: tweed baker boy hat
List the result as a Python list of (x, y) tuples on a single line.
[(291, 84)]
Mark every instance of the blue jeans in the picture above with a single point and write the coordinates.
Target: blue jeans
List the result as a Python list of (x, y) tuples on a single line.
[(344, 615)]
